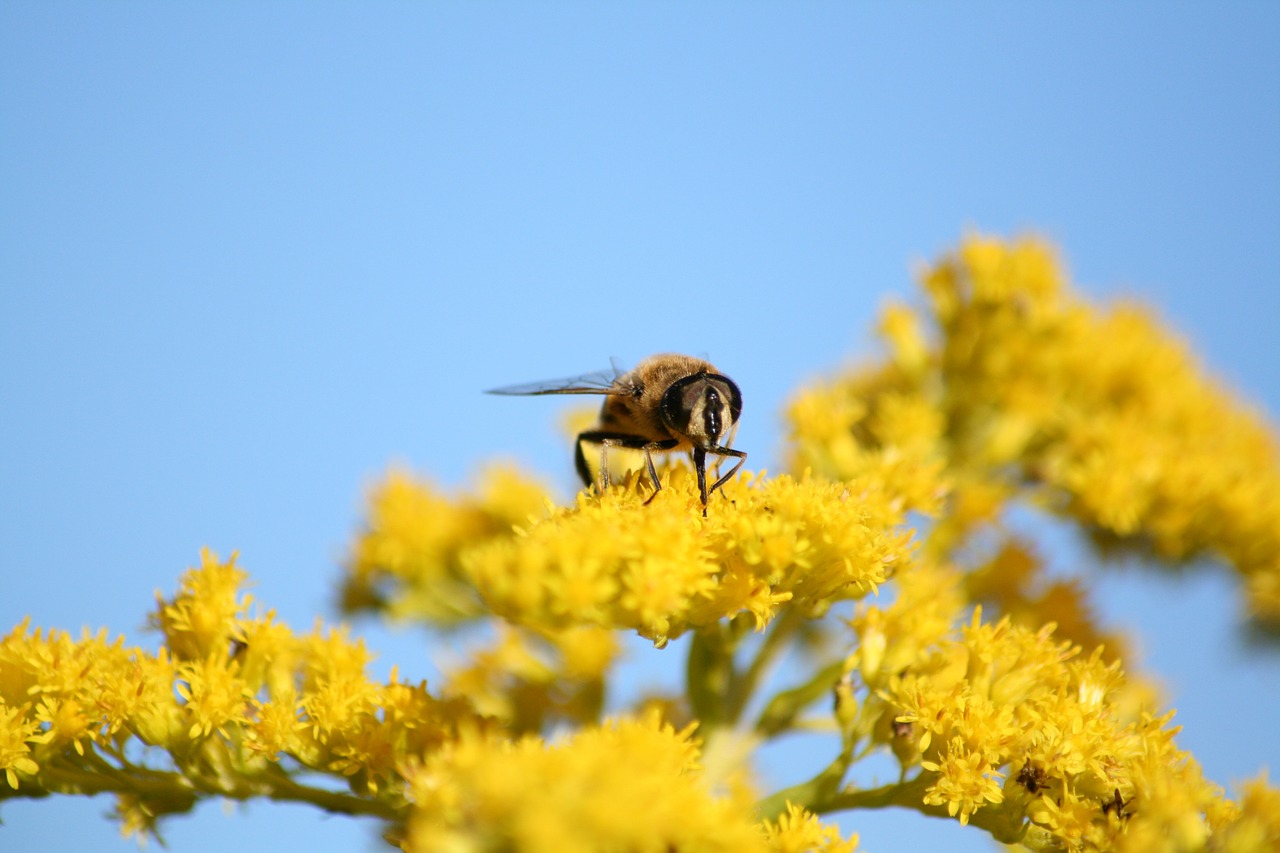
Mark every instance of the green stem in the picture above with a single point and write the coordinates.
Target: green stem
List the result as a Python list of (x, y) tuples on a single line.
[(910, 794), (744, 686), (907, 794), (180, 791), (811, 794), (780, 712), (709, 674)]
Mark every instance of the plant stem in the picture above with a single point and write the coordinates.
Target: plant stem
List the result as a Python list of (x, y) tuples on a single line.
[(181, 790), (744, 686)]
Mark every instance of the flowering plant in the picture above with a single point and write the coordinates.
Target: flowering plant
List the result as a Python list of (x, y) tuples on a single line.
[(882, 591)]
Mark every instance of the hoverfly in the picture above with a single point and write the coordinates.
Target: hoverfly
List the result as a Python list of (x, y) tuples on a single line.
[(666, 403)]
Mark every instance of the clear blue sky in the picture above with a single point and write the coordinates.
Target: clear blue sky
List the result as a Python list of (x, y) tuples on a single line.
[(251, 254)]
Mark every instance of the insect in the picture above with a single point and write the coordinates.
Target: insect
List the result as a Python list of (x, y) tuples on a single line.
[(666, 403)]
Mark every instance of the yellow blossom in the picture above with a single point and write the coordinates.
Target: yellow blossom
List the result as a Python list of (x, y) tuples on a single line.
[(1254, 826), (415, 536), (614, 561), (15, 754), (531, 679), (214, 695), (1100, 410), (276, 726), (1027, 702), (966, 782), (200, 619), (901, 328), (627, 785), (799, 831), (259, 696), (66, 722)]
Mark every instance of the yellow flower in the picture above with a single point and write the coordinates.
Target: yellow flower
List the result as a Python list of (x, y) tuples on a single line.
[(337, 697), (662, 568), (898, 637), (201, 619), (259, 695), (628, 785), (533, 679), (902, 329), (1255, 826), (798, 831), (149, 708), (214, 696), (966, 782), (15, 754), (1015, 582), (276, 726), (1096, 413), (408, 558), (999, 696), (66, 721)]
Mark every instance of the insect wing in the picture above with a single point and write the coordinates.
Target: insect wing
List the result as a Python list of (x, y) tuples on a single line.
[(600, 382)]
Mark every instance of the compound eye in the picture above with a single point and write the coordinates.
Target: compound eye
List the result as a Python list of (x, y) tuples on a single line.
[(702, 408), (676, 410), (732, 396)]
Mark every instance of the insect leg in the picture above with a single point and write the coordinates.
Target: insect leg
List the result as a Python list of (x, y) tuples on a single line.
[(653, 472), (604, 464), (607, 439), (725, 451), (728, 442)]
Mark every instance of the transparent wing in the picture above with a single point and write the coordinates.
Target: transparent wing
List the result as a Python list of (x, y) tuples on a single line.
[(600, 382)]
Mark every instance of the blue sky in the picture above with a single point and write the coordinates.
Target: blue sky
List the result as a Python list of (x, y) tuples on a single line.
[(252, 254)]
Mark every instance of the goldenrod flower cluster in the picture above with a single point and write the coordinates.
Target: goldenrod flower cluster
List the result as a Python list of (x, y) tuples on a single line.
[(233, 701), (1100, 415), (658, 569), (238, 704), (885, 593), (1023, 733), (582, 794)]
